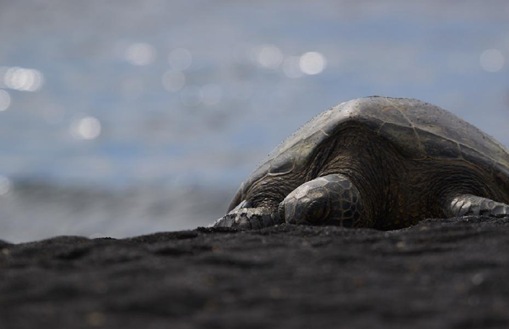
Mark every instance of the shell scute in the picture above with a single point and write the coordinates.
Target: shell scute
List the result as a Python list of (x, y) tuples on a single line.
[(438, 148)]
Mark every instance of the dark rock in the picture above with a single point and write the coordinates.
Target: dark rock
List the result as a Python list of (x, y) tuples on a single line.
[(437, 274)]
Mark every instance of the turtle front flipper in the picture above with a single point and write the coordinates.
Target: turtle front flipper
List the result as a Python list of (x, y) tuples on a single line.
[(244, 218), (468, 204), (327, 200)]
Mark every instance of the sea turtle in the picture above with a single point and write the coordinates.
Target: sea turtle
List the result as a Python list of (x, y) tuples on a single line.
[(376, 162)]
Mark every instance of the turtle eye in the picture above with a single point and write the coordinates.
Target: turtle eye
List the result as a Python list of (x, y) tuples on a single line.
[(281, 165)]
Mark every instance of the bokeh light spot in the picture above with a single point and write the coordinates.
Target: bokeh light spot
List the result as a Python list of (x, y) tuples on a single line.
[(173, 81), (312, 63), (23, 79), (5, 100), (140, 54), (180, 59), (269, 56), (492, 60), (86, 128)]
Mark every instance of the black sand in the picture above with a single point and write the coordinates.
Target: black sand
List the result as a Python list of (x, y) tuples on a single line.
[(438, 274)]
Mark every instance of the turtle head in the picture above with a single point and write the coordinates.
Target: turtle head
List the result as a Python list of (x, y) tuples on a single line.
[(254, 188)]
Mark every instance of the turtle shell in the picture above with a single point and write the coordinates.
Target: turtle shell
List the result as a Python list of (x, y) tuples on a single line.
[(417, 129)]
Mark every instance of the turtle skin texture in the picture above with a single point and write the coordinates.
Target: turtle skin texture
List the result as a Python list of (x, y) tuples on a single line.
[(376, 162)]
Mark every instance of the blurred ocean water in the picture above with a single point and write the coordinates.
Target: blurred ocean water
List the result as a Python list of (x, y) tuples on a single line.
[(120, 118)]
